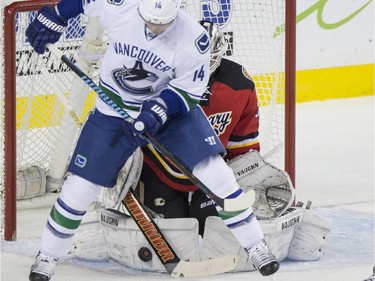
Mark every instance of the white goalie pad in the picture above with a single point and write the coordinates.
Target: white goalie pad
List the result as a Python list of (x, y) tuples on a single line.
[(310, 237), (93, 47), (126, 244), (89, 241), (31, 182), (274, 192), (298, 234), (127, 178), (218, 240)]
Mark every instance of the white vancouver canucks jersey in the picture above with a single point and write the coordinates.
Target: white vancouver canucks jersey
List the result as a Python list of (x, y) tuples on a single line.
[(137, 67)]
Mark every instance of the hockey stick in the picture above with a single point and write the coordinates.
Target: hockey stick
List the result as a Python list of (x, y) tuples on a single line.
[(168, 257), (164, 251), (230, 204), (61, 95)]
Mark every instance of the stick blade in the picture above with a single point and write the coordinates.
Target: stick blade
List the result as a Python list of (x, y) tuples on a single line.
[(185, 269), (240, 203)]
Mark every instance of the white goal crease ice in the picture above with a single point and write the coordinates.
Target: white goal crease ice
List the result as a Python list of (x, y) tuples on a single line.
[(37, 132)]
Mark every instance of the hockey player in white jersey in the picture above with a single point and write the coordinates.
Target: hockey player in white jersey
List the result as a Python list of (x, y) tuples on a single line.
[(157, 67)]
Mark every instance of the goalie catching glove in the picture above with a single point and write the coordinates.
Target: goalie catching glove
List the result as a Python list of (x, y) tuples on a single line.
[(274, 192)]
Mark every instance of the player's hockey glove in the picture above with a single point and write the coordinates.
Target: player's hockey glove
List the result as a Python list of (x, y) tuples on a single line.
[(46, 28), (153, 115)]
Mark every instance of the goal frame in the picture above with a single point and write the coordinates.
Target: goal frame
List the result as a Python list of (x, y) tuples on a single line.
[(10, 166), (9, 56)]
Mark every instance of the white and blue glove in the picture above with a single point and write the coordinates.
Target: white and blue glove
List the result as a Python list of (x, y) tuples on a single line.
[(46, 28), (153, 115)]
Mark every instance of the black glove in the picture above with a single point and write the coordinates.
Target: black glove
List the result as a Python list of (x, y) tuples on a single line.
[(46, 28)]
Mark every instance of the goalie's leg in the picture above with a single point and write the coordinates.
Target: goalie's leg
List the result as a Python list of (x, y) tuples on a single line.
[(243, 224)]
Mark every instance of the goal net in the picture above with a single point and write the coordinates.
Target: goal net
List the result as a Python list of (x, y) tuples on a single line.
[(37, 131)]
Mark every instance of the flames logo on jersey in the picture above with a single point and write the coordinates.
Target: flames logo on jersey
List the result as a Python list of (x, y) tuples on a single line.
[(220, 121), (128, 78)]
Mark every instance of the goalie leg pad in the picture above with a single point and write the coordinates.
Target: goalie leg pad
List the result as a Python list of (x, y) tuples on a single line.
[(279, 232), (31, 182), (309, 237), (125, 240), (89, 242), (218, 240), (127, 178)]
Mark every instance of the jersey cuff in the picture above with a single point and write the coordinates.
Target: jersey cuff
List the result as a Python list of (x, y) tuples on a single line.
[(69, 9), (175, 105)]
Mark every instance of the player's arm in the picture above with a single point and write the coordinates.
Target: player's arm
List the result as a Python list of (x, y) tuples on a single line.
[(50, 23), (171, 103), (182, 93), (186, 89), (69, 8)]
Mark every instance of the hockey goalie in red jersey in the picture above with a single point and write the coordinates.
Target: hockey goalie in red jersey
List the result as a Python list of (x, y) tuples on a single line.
[(231, 106)]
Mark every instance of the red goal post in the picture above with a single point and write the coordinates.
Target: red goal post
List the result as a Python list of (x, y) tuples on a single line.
[(38, 134)]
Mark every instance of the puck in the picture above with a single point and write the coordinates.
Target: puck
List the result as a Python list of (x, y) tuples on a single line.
[(145, 254)]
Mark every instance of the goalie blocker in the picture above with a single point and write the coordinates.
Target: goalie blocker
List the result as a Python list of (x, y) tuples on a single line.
[(298, 234)]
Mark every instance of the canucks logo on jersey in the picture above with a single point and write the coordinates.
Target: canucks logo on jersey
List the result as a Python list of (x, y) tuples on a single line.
[(115, 2), (126, 79), (203, 43)]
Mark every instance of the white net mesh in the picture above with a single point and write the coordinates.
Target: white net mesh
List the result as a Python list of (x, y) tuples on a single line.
[(45, 133), (251, 28)]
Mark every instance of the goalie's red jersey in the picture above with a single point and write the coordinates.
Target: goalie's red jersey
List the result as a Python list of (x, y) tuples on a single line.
[(231, 105)]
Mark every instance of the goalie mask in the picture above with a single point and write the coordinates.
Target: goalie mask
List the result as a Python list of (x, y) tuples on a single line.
[(160, 11), (218, 46)]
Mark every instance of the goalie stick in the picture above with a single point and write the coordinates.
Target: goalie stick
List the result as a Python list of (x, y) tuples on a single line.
[(231, 205), (173, 264), (61, 95)]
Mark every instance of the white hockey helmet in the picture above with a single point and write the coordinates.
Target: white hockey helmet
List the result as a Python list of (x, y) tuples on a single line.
[(159, 11), (218, 45)]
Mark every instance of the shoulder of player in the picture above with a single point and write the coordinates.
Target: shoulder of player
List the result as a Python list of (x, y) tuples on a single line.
[(234, 75), (191, 36)]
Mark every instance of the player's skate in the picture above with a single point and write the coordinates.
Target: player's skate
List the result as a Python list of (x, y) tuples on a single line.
[(263, 260), (43, 268)]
